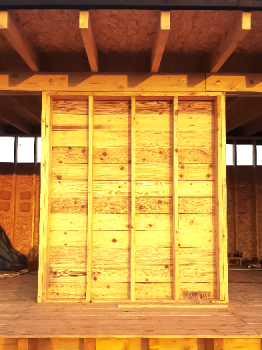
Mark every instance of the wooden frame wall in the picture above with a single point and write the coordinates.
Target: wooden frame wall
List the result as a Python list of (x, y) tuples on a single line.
[(221, 238)]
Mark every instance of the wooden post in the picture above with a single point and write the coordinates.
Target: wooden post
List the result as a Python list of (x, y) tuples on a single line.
[(34, 200), (175, 202), (46, 161), (255, 196), (235, 195), (90, 198), (221, 213), (133, 199)]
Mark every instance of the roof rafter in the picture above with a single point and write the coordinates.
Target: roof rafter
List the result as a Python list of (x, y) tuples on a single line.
[(253, 126), (19, 39), (27, 105), (88, 39), (230, 40), (163, 29), (244, 112), (7, 116)]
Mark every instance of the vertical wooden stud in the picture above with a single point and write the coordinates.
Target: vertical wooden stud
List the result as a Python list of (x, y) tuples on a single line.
[(32, 343), (34, 200), (209, 344), (23, 344), (133, 198), (255, 196), (14, 188), (220, 193), (218, 344), (90, 199), (175, 201), (235, 196), (46, 160), (89, 344)]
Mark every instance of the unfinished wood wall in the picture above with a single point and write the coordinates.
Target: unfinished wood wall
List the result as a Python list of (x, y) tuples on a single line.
[(241, 200), (19, 207), (131, 195)]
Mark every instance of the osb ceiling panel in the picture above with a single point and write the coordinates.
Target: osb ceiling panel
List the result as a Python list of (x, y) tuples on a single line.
[(194, 32), (52, 30), (124, 30)]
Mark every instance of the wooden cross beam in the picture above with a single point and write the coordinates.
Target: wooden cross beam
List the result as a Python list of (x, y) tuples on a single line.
[(19, 39)]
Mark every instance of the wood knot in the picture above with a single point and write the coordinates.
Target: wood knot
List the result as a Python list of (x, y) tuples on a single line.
[(114, 240), (75, 202), (83, 150), (122, 168), (160, 152), (108, 287), (182, 167), (55, 273), (59, 177), (83, 206), (181, 175), (159, 202), (95, 278), (144, 160), (211, 166), (65, 233), (176, 150), (150, 225), (60, 161), (166, 266), (208, 175), (69, 148), (141, 207), (104, 154)]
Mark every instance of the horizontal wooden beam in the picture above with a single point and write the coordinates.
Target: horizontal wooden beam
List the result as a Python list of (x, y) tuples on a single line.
[(246, 110), (252, 127), (88, 40), (19, 39), (163, 29), (233, 36), (102, 82), (234, 82)]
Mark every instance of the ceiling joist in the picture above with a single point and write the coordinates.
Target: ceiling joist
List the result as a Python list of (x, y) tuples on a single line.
[(230, 40), (244, 111), (163, 29), (15, 121), (88, 40), (19, 39), (25, 104), (252, 127)]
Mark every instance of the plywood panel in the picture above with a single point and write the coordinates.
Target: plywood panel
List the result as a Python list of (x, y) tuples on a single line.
[(118, 344), (178, 344), (70, 155)]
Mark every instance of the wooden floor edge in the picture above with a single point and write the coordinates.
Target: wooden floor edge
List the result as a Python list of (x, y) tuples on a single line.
[(132, 336)]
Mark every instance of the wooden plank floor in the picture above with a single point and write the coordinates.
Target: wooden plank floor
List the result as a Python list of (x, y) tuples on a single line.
[(21, 316)]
